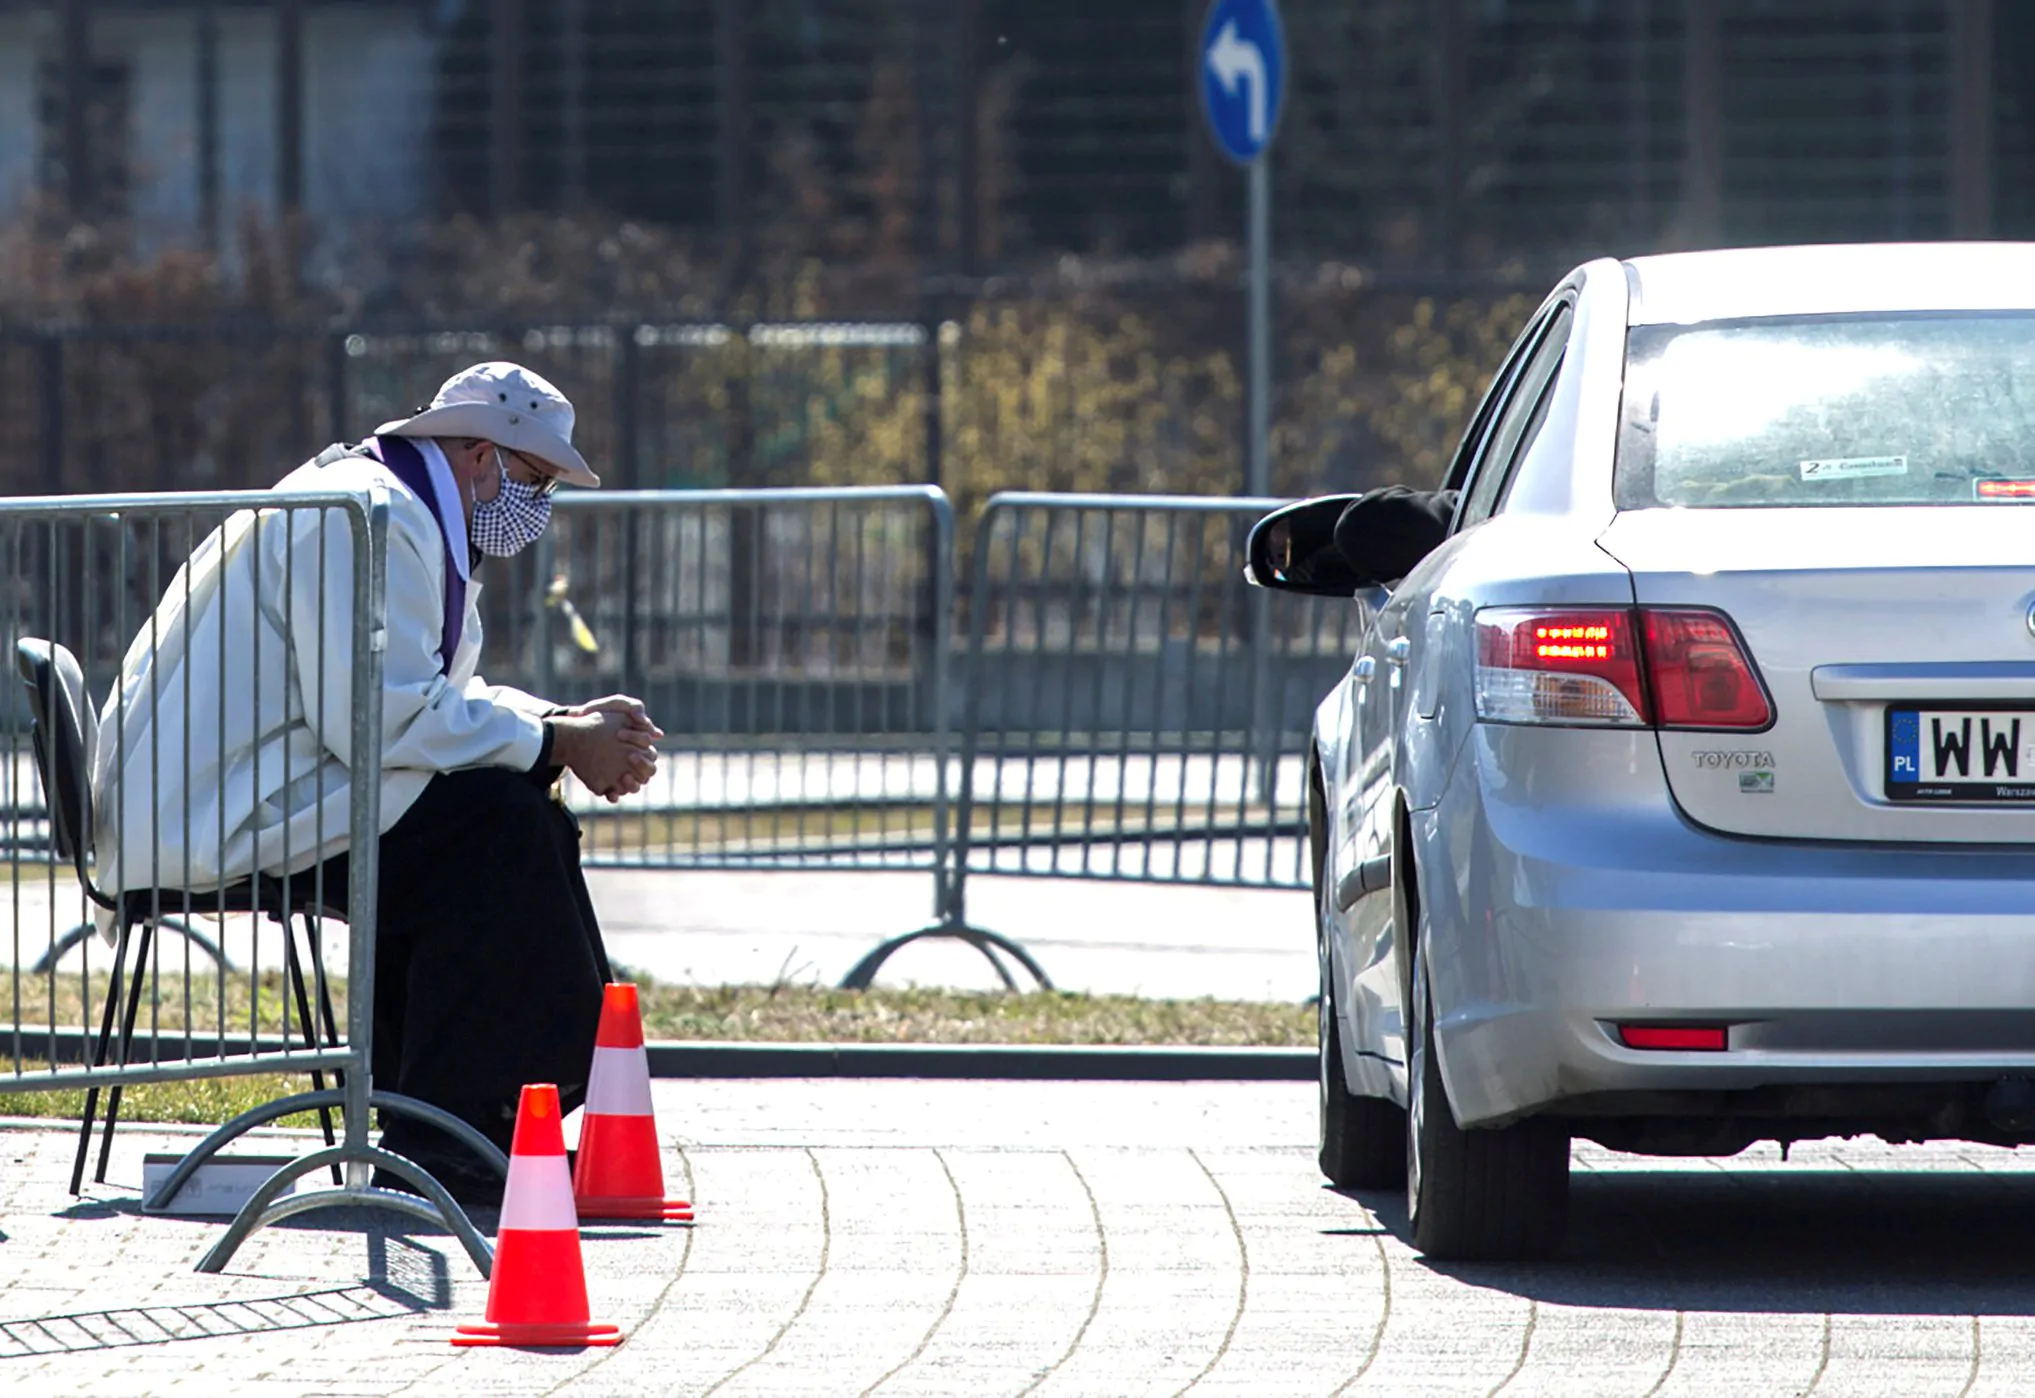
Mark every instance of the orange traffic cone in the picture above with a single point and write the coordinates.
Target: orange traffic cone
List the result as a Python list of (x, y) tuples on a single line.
[(537, 1294), (620, 1173)]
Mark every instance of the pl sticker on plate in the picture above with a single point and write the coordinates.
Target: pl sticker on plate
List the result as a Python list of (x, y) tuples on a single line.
[(1845, 468)]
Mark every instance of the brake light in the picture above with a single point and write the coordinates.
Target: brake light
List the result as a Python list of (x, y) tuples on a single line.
[(1699, 674), (1558, 665), (1667, 667)]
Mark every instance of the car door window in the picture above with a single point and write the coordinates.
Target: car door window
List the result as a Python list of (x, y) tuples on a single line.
[(1517, 420), (1525, 444), (1471, 449)]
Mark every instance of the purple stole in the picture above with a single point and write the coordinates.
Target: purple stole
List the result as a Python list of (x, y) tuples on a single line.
[(406, 463)]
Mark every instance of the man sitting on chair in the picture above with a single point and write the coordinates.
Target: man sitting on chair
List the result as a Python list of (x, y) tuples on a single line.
[(230, 729)]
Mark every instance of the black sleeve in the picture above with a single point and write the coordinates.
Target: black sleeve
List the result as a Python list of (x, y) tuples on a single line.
[(1384, 533)]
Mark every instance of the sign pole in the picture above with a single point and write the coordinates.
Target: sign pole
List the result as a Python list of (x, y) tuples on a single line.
[(1257, 461), (1243, 88), (1258, 471)]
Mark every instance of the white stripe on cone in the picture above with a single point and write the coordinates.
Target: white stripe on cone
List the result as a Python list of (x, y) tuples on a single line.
[(539, 1194), (619, 1084)]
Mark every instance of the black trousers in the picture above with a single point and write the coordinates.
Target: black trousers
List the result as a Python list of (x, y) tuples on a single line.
[(488, 957)]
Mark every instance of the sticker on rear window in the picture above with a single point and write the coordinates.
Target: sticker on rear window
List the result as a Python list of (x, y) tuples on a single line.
[(1998, 488), (1844, 468)]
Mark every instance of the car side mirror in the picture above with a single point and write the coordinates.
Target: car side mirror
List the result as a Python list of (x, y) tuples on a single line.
[(1293, 549)]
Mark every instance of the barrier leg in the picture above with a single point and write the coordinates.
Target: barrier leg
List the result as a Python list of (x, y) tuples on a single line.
[(266, 1207), (988, 943), (953, 923)]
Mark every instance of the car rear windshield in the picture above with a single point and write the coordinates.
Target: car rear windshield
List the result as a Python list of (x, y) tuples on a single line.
[(1852, 410)]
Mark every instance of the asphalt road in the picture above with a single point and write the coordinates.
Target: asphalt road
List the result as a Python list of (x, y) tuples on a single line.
[(1108, 1239)]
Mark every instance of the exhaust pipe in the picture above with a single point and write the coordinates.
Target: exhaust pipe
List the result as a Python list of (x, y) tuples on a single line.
[(2010, 1108)]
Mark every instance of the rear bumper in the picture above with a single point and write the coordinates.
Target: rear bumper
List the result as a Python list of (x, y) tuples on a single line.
[(1559, 918)]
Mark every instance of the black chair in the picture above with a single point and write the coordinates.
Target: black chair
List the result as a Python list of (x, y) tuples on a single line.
[(64, 733)]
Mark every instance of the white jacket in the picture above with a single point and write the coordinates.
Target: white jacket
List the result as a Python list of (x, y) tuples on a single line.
[(198, 789)]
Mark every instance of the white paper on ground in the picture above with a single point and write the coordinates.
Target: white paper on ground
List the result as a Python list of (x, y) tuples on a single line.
[(221, 1186)]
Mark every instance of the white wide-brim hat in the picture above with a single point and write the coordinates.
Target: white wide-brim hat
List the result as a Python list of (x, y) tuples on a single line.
[(508, 405)]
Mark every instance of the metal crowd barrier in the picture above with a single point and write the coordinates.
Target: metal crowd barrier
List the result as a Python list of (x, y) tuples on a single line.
[(1132, 710), (83, 576), (793, 644)]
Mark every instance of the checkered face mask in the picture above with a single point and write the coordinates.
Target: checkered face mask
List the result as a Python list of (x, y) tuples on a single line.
[(510, 522)]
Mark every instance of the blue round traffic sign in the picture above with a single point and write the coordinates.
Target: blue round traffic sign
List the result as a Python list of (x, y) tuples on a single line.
[(1243, 75)]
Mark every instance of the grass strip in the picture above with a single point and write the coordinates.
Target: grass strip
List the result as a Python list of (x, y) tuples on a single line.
[(804, 1014), (781, 1013), (237, 1000)]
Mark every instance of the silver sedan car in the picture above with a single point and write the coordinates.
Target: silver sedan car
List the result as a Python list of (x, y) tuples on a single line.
[(1683, 793)]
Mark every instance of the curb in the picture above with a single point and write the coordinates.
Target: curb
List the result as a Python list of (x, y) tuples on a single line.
[(1010, 1062), (673, 1058)]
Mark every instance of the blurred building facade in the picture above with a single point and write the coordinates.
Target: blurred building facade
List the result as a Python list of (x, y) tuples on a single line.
[(983, 243), (171, 118), (979, 135)]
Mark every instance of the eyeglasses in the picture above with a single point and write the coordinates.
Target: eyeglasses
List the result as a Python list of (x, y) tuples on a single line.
[(545, 482)]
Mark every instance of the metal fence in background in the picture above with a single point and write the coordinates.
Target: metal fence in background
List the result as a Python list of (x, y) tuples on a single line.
[(794, 645), (1131, 709), (1125, 708)]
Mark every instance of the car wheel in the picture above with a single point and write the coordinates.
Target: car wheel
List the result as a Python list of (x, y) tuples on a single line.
[(1489, 1193), (1362, 1138)]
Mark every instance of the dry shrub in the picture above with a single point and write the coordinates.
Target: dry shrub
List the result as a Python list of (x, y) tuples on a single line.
[(1090, 375), (1074, 387)]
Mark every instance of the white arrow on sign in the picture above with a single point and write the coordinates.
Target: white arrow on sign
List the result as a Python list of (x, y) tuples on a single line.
[(1235, 60)]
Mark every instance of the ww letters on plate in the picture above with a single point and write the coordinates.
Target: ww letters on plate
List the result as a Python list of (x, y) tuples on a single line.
[(1960, 754)]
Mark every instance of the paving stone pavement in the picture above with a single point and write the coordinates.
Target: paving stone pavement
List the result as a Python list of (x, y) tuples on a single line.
[(976, 1238)]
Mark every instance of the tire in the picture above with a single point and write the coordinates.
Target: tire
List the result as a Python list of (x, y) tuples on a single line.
[(1492, 1193), (1363, 1139)]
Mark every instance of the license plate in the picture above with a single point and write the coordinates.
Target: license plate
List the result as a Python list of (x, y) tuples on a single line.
[(1971, 755)]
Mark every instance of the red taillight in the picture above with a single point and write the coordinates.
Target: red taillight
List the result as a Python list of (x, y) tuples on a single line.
[(1558, 665), (1699, 674), (1670, 667), (1700, 1037)]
